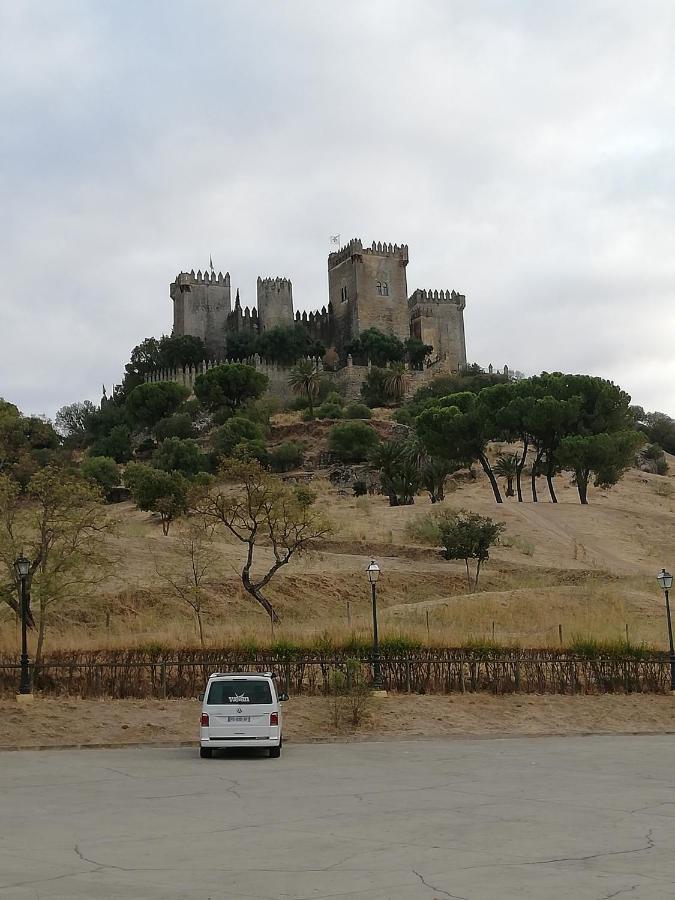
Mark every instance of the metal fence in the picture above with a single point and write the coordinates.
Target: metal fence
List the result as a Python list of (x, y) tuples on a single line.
[(135, 675)]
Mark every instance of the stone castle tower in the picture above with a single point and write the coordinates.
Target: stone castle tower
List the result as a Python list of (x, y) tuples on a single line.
[(367, 288), (201, 305)]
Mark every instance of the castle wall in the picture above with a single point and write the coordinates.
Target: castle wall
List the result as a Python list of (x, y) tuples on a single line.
[(201, 305), (275, 303)]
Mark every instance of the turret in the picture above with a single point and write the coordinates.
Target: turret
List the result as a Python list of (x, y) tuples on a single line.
[(201, 305), (275, 303)]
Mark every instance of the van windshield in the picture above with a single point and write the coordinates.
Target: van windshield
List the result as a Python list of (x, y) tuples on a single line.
[(240, 691)]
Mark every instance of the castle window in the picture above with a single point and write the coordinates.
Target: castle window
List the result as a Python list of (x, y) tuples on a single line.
[(343, 294), (379, 288), (385, 288)]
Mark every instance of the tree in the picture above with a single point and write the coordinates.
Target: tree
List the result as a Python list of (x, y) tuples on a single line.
[(286, 346), (62, 527), (607, 456), (433, 475), (375, 346), (398, 472), (507, 467), (72, 421), (153, 490), (117, 444), (352, 441), (416, 352), (187, 573), (396, 382), (357, 411), (180, 455), (177, 351), (103, 471), (241, 345), (305, 381), (286, 456), (262, 513), (234, 432), (468, 536), (150, 402), (165, 353), (457, 428), (179, 425), (229, 386), (374, 387)]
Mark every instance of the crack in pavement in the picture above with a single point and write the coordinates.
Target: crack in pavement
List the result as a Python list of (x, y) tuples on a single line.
[(433, 887)]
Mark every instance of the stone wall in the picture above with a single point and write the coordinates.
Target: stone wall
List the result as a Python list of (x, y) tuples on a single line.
[(201, 305), (275, 303), (437, 318)]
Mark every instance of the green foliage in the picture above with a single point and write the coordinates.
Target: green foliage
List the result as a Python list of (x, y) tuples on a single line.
[(27, 444), (377, 347), (468, 536), (288, 345), (286, 456), (329, 410), (305, 381), (165, 353), (152, 401), (592, 648), (360, 488), (506, 467), (357, 411), (473, 380), (233, 432), (352, 441), (72, 421), (434, 474), (252, 450), (157, 491), (180, 455), (350, 697), (229, 385), (374, 388), (116, 444), (241, 345), (179, 425), (103, 471), (652, 459), (416, 352), (607, 456), (398, 471), (657, 427)]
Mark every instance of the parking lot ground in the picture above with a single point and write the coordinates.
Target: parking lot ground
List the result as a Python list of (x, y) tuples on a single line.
[(589, 818)]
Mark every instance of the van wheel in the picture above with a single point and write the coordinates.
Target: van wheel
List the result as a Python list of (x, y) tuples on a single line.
[(206, 752), (275, 752)]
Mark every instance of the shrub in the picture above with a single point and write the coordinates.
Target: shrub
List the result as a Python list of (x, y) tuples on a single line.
[(286, 456), (103, 471), (116, 444), (233, 432), (350, 696), (358, 411), (179, 425), (360, 488), (176, 455), (329, 410), (335, 397), (156, 491), (230, 385), (352, 441), (248, 450), (150, 402), (374, 388)]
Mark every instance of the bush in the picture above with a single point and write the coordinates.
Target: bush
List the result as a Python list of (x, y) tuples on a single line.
[(350, 696), (117, 444), (248, 450), (233, 432), (286, 456), (358, 411), (179, 425), (336, 398), (352, 441), (374, 388), (150, 402), (156, 491), (103, 471), (176, 455), (230, 385), (329, 410), (360, 488)]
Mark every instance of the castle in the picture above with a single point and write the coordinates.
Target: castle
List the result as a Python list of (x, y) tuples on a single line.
[(367, 288)]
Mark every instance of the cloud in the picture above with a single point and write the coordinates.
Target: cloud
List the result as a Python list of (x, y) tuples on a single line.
[(523, 150)]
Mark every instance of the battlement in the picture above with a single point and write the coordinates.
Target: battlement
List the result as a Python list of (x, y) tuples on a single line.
[(275, 283), (424, 296), (377, 248), (185, 279)]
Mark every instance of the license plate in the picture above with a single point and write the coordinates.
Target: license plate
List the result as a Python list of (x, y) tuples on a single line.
[(238, 718)]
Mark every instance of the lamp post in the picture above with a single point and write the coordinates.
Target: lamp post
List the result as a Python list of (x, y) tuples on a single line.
[(22, 566), (665, 579), (373, 575)]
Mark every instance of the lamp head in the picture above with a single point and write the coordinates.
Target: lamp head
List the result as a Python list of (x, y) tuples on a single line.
[(373, 571), (22, 566), (665, 579)]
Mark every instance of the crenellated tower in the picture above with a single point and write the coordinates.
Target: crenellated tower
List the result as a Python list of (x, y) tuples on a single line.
[(367, 288), (201, 305), (275, 303), (437, 318)]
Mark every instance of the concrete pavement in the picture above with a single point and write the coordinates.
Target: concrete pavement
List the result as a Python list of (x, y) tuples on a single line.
[(584, 818)]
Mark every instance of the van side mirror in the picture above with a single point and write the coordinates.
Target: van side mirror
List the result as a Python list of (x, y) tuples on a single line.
[(200, 696), (283, 696)]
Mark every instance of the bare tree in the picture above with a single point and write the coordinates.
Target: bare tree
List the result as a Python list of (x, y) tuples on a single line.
[(262, 512)]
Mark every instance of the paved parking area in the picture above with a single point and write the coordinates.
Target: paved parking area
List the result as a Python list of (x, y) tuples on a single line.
[(585, 818)]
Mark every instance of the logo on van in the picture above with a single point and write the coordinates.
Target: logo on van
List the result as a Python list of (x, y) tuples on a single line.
[(239, 698)]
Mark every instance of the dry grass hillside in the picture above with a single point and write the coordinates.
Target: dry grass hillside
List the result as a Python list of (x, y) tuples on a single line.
[(588, 569)]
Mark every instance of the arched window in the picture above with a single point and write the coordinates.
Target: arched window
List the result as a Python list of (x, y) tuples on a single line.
[(385, 288), (379, 288)]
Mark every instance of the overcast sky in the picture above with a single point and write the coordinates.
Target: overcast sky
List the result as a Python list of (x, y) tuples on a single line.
[(523, 150)]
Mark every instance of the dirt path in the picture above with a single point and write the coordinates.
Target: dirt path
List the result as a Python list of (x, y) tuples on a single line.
[(53, 723)]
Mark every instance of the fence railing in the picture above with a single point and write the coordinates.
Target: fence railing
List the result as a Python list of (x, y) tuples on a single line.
[(134, 675)]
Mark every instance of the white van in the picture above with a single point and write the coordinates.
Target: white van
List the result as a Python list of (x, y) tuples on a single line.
[(241, 709)]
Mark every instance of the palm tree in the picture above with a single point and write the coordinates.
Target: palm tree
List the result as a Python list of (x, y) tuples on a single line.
[(396, 382), (305, 381), (507, 467)]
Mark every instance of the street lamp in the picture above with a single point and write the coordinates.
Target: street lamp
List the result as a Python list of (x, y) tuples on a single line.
[(665, 579), (22, 566), (373, 575)]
